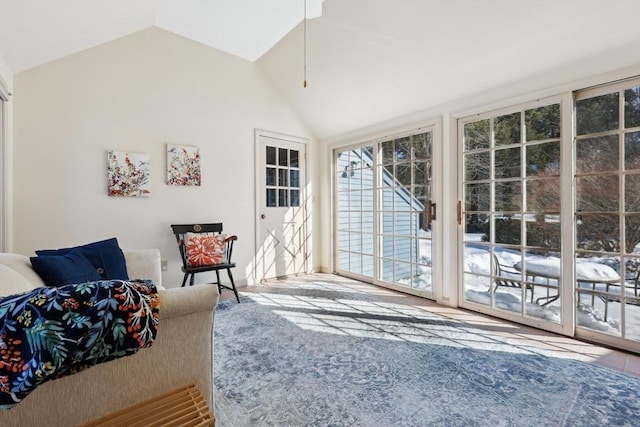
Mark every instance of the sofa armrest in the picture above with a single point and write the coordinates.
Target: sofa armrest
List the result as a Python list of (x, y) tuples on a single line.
[(182, 354), (144, 264)]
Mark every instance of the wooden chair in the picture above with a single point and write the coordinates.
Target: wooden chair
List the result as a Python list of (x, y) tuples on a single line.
[(181, 230)]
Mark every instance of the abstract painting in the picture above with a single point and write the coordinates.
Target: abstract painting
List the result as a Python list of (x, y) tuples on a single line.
[(128, 174), (183, 165)]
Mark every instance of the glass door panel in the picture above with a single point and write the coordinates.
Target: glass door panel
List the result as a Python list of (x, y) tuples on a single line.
[(607, 215), (404, 177), (384, 212), (511, 212), (354, 205)]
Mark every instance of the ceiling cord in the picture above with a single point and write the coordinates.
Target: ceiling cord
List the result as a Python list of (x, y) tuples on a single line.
[(305, 44)]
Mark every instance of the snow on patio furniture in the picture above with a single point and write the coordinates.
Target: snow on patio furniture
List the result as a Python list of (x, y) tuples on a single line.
[(592, 278)]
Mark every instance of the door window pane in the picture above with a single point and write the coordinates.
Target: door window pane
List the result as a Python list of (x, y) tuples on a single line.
[(598, 232), (543, 231), (387, 152), (271, 176), (597, 114), (283, 200), (293, 159), (508, 196), (632, 193), (632, 151), (283, 158), (403, 174), (597, 154), (403, 149), (597, 193), (271, 197), (283, 178), (421, 172), (422, 146), (507, 129), (543, 123), (632, 107), (477, 135), (271, 155), (507, 163), (632, 235), (543, 195), (477, 166), (507, 230), (295, 178), (295, 198), (477, 197), (543, 159)]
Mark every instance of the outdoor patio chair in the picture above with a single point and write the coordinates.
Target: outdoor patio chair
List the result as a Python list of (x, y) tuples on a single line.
[(505, 277), (635, 286), (204, 248)]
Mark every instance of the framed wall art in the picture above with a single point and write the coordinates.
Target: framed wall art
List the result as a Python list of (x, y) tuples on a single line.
[(183, 165), (128, 174)]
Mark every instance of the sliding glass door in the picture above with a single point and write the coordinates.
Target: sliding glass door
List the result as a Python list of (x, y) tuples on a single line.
[(385, 212), (607, 213), (510, 211), (549, 213)]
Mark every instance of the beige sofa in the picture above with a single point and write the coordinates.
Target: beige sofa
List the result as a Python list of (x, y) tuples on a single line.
[(181, 355)]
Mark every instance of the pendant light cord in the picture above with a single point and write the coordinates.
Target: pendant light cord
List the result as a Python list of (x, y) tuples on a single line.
[(305, 44)]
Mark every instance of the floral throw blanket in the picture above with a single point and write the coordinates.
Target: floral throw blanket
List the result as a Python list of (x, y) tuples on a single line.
[(49, 333)]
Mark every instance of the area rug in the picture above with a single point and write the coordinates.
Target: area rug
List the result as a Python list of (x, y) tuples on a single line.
[(323, 355)]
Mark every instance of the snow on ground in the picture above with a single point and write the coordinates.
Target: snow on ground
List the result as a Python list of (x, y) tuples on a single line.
[(590, 311)]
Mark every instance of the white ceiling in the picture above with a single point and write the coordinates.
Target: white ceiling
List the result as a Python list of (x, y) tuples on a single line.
[(367, 60), (372, 61), (33, 32)]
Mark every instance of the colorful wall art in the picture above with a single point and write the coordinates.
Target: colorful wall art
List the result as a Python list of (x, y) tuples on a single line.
[(183, 165), (128, 174)]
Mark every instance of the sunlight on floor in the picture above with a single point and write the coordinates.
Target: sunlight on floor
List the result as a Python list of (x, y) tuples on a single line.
[(385, 314), (385, 320)]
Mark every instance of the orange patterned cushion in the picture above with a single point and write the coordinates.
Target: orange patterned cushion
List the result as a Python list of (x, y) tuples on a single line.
[(204, 249)]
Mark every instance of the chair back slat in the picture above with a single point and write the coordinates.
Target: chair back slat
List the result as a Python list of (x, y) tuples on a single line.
[(197, 228)]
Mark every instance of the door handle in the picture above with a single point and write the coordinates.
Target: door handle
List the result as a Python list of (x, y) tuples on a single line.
[(431, 212)]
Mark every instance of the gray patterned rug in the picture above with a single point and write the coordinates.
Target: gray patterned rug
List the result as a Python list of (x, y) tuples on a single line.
[(320, 354)]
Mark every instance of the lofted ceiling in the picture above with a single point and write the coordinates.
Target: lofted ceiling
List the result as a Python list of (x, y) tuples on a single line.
[(368, 61), (33, 32)]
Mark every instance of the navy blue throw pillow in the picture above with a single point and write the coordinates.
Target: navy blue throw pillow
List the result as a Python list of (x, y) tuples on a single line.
[(70, 268), (105, 255)]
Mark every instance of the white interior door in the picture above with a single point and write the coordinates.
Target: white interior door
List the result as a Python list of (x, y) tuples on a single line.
[(281, 202)]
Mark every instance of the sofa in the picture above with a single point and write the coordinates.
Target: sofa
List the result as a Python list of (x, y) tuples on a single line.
[(182, 353)]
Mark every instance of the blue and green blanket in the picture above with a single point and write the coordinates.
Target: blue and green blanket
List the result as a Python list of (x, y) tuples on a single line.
[(48, 333)]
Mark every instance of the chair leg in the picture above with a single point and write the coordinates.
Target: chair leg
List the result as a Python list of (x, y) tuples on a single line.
[(193, 276), (184, 281), (219, 283), (233, 285)]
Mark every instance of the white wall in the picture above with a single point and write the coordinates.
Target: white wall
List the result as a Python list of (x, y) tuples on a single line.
[(136, 94)]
